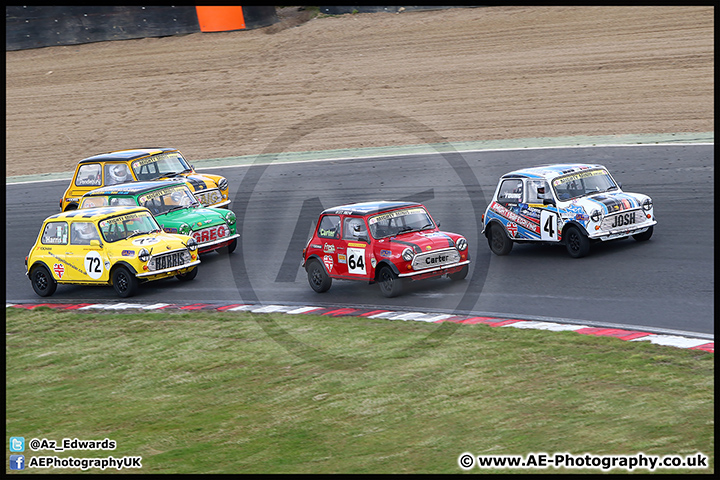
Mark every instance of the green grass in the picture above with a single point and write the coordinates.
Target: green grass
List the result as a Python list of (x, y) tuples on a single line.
[(213, 392)]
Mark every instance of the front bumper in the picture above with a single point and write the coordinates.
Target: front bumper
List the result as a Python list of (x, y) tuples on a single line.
[(156, 274), (215, 244), (436, 271)]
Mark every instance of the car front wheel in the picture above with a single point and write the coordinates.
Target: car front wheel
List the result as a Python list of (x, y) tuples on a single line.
[(644, 236), (577, 244), (230, 247), (390, 284), (318, 279), (125, 283), (459, 275), (499, 242), (187, 276), (42, 282)]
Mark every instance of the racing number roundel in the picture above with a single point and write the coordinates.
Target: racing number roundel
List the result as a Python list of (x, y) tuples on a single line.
[(356, 261), (93, 265)]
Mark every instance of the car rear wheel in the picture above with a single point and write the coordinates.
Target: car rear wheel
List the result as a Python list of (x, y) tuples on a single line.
[(577, 244), (318, 279), (459, 275), (499, 242), (42, 282), (644, 236), (125, 283), (187, 276), (390, 284)]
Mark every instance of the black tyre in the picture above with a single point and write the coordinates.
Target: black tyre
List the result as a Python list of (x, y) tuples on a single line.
[(498, 240), (390, 284), (459, 275), (644, 236), (187, 276), (230, 248), (318, 279), (576, 242), (124, 281), (42, 281)]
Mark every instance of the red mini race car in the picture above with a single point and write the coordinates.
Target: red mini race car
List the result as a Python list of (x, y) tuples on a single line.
[(386, 243)]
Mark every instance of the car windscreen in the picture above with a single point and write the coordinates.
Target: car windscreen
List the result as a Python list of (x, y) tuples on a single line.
[(583, 183), (399, 221), (155, 166)]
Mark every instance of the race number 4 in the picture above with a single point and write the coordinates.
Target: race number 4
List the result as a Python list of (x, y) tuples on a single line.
[(548, 226), (356, 261)]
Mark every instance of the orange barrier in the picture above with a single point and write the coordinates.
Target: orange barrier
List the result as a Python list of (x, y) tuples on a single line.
[(220, 19)]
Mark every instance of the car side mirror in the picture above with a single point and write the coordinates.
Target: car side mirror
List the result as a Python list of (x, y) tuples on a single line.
[(548, 201), (95, 243)]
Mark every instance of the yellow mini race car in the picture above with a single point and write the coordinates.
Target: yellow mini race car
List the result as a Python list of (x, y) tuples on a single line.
[(143, 164), (118, 246)]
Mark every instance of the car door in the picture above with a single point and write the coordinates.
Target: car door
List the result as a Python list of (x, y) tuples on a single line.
[(537, 191), (84, 254), (356, 246)]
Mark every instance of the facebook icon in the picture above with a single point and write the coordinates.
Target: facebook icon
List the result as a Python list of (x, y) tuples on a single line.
[(17, 462)]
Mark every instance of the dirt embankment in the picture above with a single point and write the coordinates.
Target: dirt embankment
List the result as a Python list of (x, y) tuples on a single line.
[(466, 74)]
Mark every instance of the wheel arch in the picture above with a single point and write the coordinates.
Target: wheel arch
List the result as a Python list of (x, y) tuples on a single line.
[(315, 256), (495, 221), (383, 263), (574, 223), (122, 263)]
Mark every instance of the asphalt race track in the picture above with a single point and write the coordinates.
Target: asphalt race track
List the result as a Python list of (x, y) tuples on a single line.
[(665, 283)]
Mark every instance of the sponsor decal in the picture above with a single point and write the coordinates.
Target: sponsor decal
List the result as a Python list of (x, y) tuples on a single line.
[(395, 214), (342, 258), (512, 228), (328, 261), (428, 247), (160, 193), (352, 244), (314, 245), (170, 230), (385, 253), (128, 253), (514, 217), (329, 248), (59, 269), (578, 176)]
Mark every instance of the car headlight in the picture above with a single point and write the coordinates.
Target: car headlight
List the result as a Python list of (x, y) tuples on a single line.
[(461, 244), (596, 216), (230, 217), (184, 229), (223, 184), (192, 244), (407, 254), (647, 205), (144, 255)]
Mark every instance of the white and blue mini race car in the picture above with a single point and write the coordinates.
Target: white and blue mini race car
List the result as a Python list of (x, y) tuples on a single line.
[(570, 204)]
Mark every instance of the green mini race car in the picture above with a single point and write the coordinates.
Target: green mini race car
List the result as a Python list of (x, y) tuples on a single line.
[(176, 210)]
